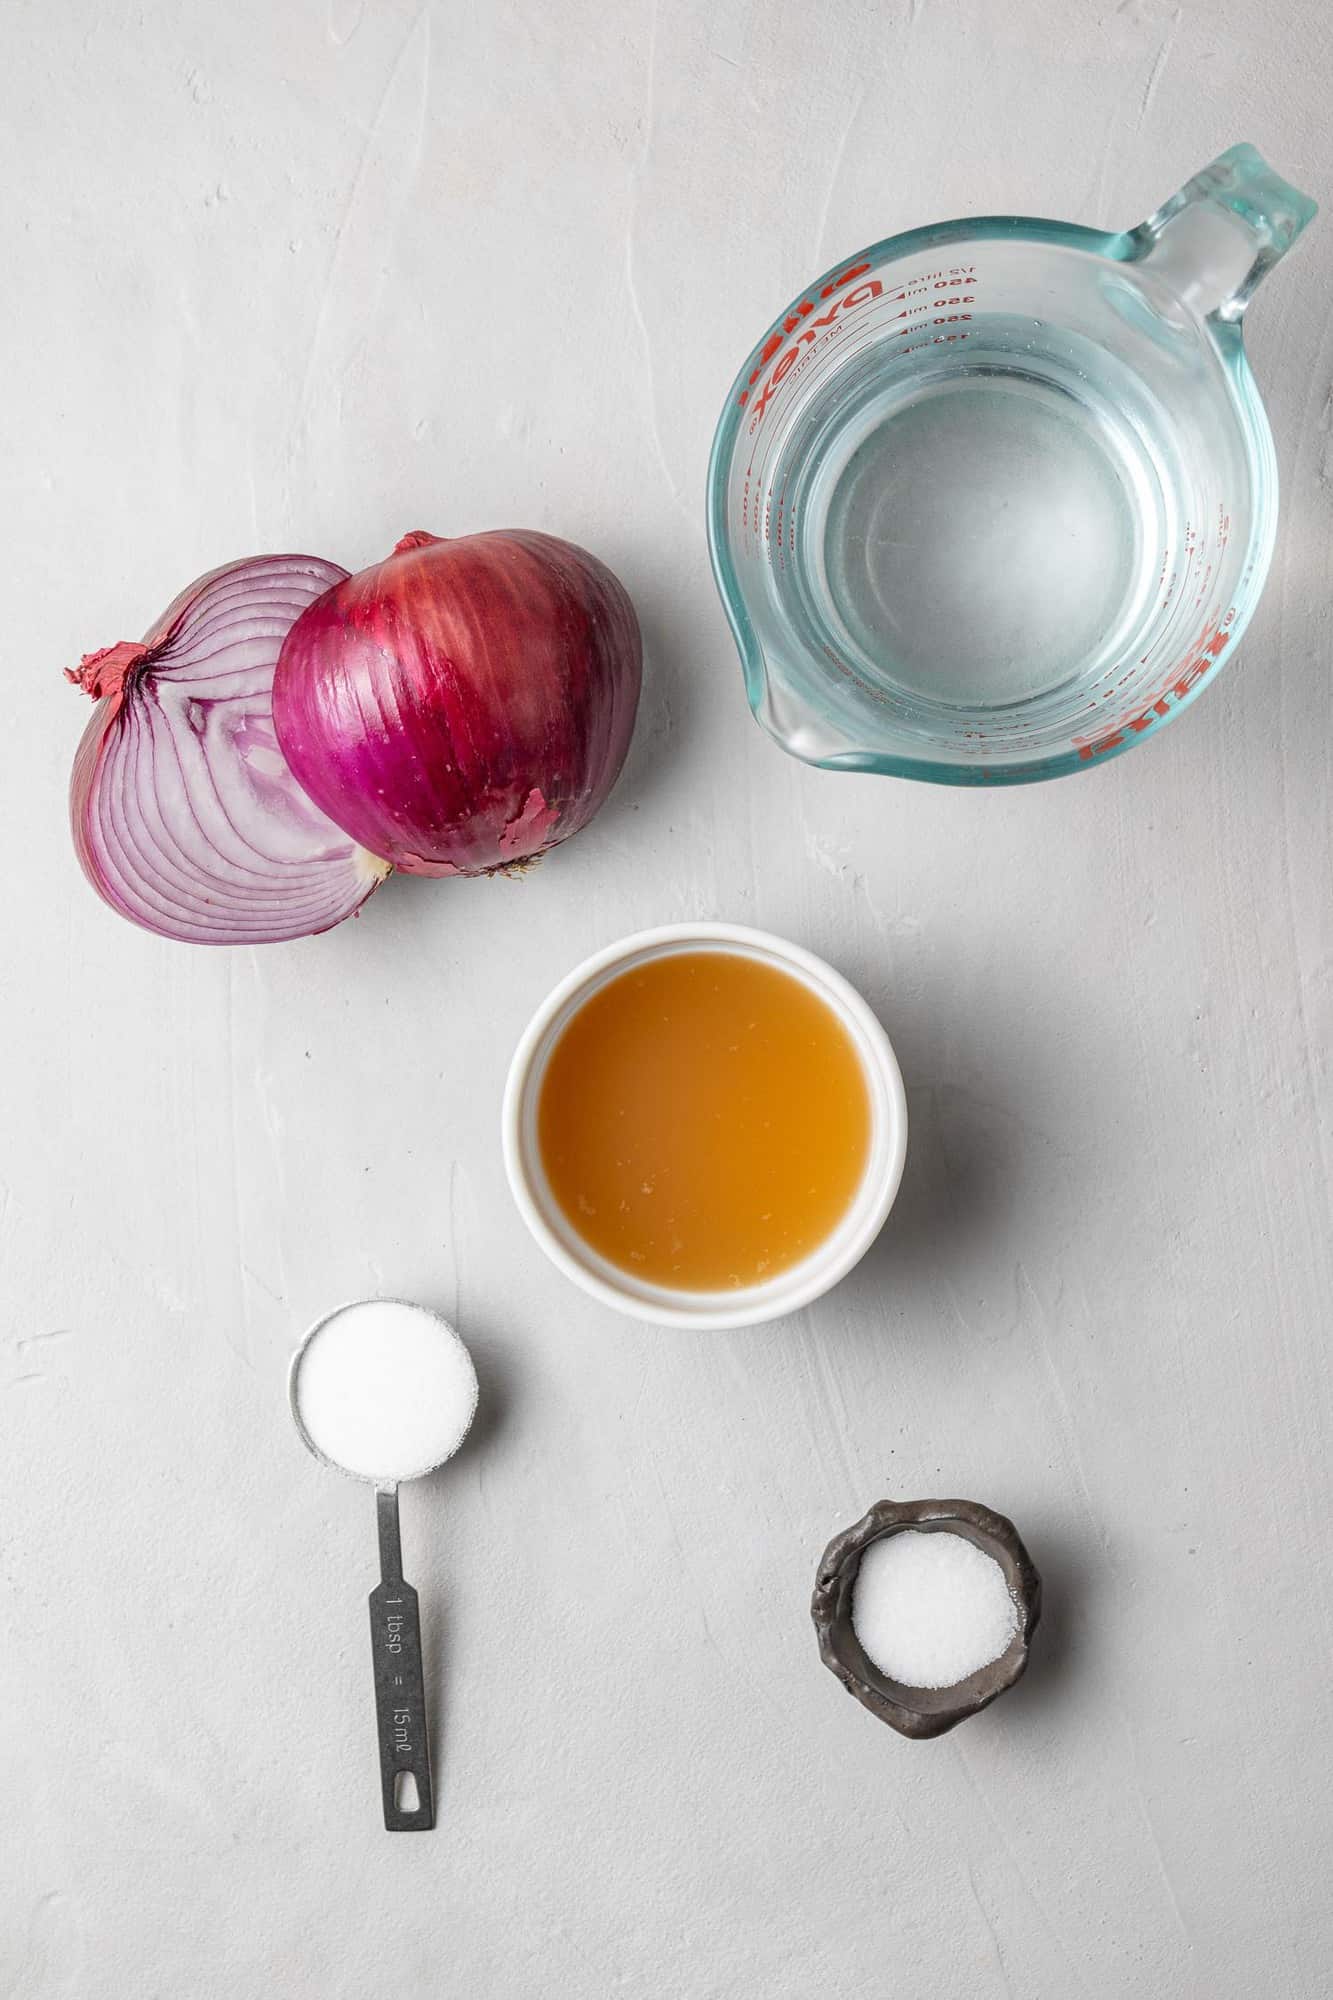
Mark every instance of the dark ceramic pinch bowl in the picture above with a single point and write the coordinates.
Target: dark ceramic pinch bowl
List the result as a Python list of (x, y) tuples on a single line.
[(915, 1711)]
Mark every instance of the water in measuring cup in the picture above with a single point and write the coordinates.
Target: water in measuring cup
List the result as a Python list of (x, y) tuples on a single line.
[(987, 531)]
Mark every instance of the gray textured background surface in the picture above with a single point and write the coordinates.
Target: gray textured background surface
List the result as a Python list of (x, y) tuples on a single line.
[(310, 275)]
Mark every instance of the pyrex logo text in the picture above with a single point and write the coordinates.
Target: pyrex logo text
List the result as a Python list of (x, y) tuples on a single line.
[(1203, 659), (804, 312)]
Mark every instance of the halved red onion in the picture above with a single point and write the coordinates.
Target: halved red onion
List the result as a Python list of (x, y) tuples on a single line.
[(465, 704), (186, 816)]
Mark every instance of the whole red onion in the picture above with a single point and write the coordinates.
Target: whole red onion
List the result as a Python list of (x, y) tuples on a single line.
[(465, 704)]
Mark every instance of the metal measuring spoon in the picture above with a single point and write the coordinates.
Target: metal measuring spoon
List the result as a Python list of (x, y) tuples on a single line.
[(386, 1391)]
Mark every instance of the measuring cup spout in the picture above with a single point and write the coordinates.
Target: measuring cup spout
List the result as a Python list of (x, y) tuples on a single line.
[(1224, 231)]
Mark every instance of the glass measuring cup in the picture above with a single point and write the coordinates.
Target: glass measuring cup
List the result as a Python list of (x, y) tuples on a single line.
[(993, 499)]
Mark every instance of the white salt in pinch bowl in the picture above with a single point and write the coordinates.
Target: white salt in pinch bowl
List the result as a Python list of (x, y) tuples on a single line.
[(923, 1711), (748, 1305)]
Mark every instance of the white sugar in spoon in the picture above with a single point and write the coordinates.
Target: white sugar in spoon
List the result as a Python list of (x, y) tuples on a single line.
[(387, 1391)]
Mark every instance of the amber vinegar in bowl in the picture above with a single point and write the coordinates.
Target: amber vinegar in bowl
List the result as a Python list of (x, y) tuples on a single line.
[(705, 1126)]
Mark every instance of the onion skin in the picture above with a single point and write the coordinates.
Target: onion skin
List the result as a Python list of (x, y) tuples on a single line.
[(464, 705)]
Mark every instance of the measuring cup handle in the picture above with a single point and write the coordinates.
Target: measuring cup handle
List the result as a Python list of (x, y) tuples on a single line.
[(400, 1692), (1223, 232)]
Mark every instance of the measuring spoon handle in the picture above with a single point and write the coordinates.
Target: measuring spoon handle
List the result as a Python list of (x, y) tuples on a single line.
[(400, 1694)]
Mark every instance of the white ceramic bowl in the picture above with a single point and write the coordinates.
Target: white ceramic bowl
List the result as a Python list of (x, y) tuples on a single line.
[(663, 1304)]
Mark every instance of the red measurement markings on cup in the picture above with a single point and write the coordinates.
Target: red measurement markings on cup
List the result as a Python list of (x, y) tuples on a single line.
[(799, 312), (924, 303), (919, 309), (919, 303), (927, 310), (862, 295), (780, 530), (1199, 658), (840, 666), (808, 324)]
